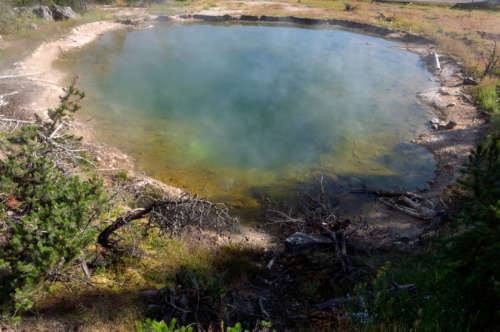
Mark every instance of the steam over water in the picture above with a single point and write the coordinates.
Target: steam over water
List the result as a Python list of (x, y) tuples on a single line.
[(241, 110)]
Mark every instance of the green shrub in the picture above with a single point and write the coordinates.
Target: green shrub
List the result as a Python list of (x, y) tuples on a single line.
[(48, 219), (486, 95), (154, 326), (473, 255)]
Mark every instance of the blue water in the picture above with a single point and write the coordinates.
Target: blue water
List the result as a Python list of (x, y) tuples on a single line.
[(241, 110)]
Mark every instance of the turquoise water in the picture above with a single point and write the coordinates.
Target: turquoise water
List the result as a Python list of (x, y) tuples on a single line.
[(238, 111)]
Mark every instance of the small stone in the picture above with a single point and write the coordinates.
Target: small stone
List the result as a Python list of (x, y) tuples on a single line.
[(33, 26), (450, 125), (300, 242), (20, 65), (398, 242), (469, 81), (411, 243), (435, 121), (434, 126), (451, 104), (430, 79)]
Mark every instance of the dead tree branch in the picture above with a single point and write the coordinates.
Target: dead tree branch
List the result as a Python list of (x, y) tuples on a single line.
[(171, 216), (382, 17), (493, 62), (411, 208)]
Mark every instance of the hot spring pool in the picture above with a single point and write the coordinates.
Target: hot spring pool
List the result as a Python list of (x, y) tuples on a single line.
[(241, 110)]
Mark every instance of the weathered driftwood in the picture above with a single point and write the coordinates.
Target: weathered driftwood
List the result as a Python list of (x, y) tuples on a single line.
[(385, 193), (437, 65), (15, 120), (412, 208), (271, 262), (261, 307), (407, 202), (14, 76), (9, 94), (171, 216)]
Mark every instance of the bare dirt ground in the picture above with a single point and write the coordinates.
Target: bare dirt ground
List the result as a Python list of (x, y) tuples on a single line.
[(22, 96)]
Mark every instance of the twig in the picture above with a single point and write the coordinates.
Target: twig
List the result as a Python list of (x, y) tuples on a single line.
[(9, 94), (261, 307), (473, 121), (271, 262), (45, 82), (14, 76), (55, 131)]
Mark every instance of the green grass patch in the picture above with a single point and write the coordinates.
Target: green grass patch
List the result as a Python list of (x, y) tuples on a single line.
[(433, 307), (486, 95)]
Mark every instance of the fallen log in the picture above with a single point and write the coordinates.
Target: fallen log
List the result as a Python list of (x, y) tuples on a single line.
[(345, 300), (386, 193), (15, 120), (413, 209)]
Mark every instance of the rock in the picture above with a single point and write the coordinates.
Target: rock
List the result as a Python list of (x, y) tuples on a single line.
[(19, 65), (435, 121), (411, 243), (469, 81), (450, 125), (488, 35), (467, 98), (450, 91), (467, 40), (60, 13), (42, 12), (452, 104), (432, 98), (435, 126), (137, 21), (431, 234), (301, 242), (33, 26)]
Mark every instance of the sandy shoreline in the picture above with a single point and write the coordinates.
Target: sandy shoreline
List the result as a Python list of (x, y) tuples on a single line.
[(41, 60), (450, 147)]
